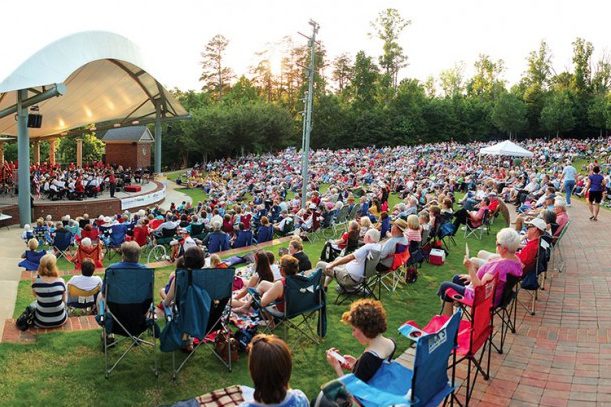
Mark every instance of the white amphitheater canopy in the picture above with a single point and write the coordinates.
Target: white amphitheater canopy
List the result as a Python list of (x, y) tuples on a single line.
[(506, 148), (86, 78)]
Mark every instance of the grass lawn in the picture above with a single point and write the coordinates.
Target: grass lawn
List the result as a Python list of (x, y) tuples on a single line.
[(67, 368)]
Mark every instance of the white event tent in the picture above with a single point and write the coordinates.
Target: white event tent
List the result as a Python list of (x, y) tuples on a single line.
[(506, 148)]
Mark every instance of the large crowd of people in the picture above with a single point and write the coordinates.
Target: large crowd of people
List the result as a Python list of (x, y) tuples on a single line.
[(251, 199)]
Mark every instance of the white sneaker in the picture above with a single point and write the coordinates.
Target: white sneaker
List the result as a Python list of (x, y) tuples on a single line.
[(568, 205)]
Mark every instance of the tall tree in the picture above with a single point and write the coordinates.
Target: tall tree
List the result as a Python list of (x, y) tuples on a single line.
[(509, 113), (216, 77), (452, 81), (582, 55), (487, 82), (597, 113), (364, 81), (535, 83), (388, 27), (601, 79), (342, 71), (557, 114)]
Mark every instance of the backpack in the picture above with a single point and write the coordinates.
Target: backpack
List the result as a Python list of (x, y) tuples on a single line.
[(411, 274)]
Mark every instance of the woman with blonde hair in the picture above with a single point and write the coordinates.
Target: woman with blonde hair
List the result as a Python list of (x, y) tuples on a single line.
[(50, 292)]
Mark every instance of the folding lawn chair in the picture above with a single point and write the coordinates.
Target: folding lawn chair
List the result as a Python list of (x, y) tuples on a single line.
[(32, 260), (506, 311), (473, 336), (82, 299), (427, 384), (304, 299), (391, 278), (116, 239), (531, 278), (367, 286), (478, 231), (61, 244), (199, 322), (198, 231), (340, 219), (93, 253), (127, 310), (556, 256)]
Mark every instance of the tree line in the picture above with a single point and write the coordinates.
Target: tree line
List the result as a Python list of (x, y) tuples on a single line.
[(360, 100)]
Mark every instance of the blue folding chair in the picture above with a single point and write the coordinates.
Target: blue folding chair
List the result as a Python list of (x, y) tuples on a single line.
[(304, 299), (127, 310), (265, 233), (61, 243), (198, 322), (116, 238), (244, 239), (32, 260), (426, 385)]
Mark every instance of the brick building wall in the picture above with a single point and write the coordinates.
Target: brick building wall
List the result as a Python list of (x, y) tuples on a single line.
[(129, 154)]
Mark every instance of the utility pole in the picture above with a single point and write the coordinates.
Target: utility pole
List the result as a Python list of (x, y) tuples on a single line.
[(307, 118)]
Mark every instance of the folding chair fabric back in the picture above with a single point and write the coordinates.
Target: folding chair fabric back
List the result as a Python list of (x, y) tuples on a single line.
[(483, 302), (80, 298), (62, 240), (129, 294), (117, 235), (342, 215), (400, 257), (244, 238), (372, 260), (303, 294), (94, 253), (218, 283), (430, 377), (197, 229), (129, 285), (508, 291)]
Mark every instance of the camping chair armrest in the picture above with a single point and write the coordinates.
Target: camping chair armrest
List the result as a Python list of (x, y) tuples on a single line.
[(101, 310), (411, 330), (457, 297), (167, 311)]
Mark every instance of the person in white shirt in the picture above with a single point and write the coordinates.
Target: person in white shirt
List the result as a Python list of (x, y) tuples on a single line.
[(86, 281), (349, 270)]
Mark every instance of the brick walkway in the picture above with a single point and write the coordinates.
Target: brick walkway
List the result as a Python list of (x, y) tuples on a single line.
[(562, 355)]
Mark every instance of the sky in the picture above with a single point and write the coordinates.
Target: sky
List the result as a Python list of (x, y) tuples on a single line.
[(442, 33)]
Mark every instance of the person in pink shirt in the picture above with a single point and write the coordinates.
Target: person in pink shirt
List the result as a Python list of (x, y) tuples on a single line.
[(506, 263)]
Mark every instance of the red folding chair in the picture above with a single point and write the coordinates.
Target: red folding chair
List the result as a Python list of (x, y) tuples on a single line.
[(391, 278), (474, 336)]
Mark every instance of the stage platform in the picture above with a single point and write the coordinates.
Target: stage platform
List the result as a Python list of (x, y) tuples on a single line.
[(152, 193)]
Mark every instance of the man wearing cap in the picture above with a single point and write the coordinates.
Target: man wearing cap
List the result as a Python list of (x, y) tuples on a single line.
[(349, 270), (528, 254), (395, 244)]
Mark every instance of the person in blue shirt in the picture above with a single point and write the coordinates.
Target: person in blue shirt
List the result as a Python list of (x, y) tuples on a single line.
[(568, 175)]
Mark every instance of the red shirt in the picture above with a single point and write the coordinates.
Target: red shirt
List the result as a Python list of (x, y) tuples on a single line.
[(528, 255)]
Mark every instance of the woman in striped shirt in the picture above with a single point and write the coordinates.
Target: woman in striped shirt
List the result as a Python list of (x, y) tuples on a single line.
[(50, 292)]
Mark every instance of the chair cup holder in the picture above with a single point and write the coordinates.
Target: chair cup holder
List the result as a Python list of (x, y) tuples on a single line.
[(457, 297)]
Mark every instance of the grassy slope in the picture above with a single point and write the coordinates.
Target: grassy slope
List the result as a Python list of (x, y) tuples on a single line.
[(71, 364)]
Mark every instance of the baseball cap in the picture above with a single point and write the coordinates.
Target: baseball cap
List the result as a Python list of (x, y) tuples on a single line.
[(538, 223)]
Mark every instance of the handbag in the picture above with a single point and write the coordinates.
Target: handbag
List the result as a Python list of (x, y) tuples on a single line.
[(220, 347), (26, 319)]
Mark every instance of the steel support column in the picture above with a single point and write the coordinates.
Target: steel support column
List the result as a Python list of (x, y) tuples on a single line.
[(23, 155), (158, 136)]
